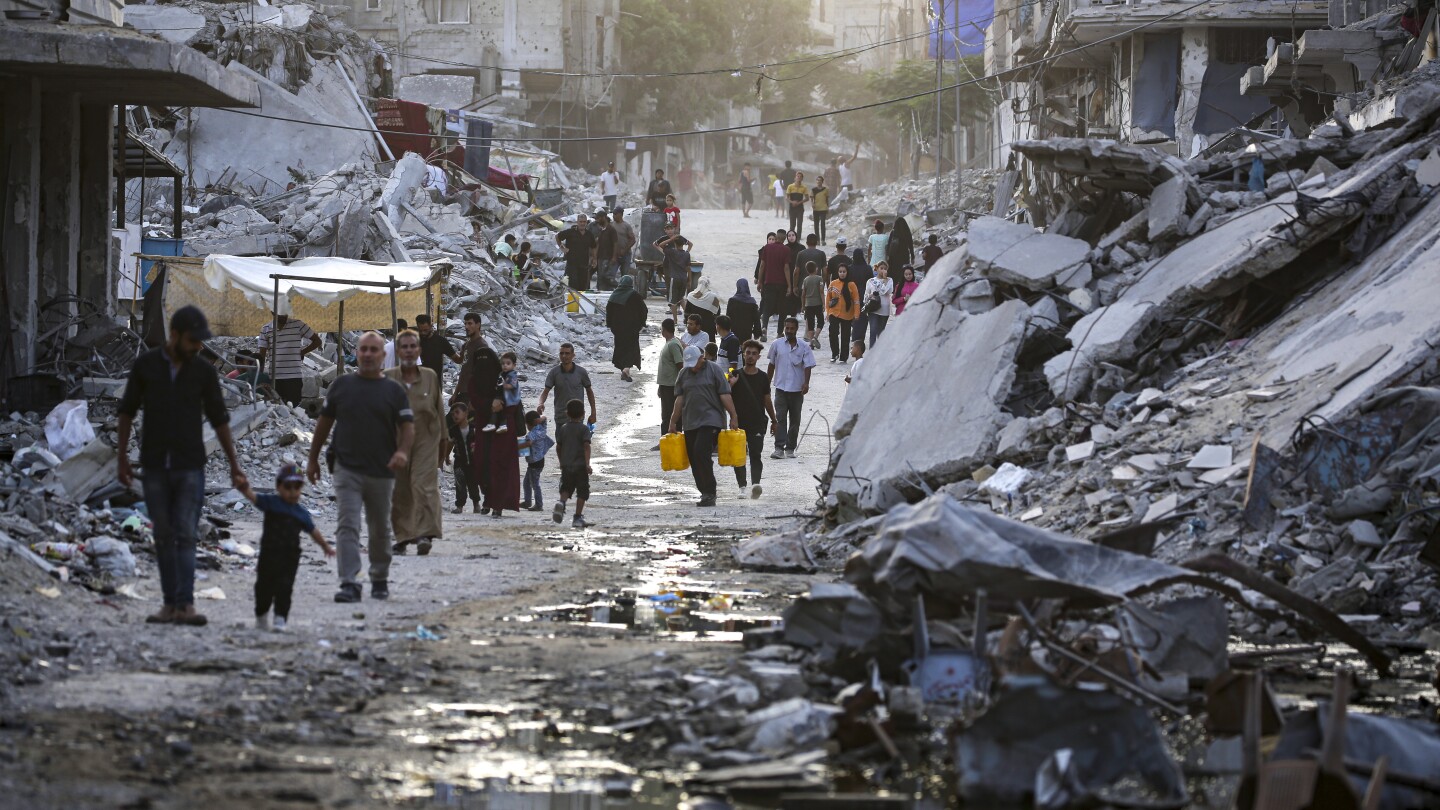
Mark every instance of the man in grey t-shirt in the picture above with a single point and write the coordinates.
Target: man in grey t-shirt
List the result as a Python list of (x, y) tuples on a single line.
[(702, 400), (569, 381), (374, 428)]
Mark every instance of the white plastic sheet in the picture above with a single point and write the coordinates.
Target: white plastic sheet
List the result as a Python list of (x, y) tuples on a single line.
[(67, 428)]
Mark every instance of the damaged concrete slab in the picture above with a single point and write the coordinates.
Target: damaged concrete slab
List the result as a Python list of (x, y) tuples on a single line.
[(1018, 254), (979, 350)]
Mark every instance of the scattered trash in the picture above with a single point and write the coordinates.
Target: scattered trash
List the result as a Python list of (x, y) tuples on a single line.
[(214, 592)]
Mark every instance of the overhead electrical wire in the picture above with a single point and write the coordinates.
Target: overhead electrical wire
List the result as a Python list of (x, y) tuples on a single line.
[(791, 120)]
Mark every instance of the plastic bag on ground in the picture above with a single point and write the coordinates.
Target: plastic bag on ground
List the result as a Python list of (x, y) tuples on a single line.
[(67, 428)]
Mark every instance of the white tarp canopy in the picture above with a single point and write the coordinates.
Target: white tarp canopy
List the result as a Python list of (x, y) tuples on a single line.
[(236, 292)]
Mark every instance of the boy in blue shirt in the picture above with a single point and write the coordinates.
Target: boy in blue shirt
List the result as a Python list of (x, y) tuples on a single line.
[(285, 518), (535, 445)]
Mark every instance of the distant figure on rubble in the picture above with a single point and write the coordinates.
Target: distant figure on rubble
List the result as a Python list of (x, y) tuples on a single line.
[(658, 190), (578, 245), (415, 505), (747, 190), (625, 241), (610, 185), (932, 253), (295, 340), (607, 247), (178, 392), (374, 430)]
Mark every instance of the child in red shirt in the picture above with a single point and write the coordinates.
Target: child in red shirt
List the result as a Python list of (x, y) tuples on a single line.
[(672, 213)]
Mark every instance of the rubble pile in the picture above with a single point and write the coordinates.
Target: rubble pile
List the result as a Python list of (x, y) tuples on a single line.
[(1182, 350), (1016, 664), (971, 194), (1194, 408)]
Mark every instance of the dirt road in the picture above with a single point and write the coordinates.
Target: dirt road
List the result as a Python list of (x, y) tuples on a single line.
[(506, 662)]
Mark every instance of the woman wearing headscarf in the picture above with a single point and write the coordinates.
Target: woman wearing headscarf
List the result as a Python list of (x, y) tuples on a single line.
[(906, 287), (705, 303), (842, 306), (860, 274), (793, 304), (744, 312), (900, 251), (494, 457), (625, 315)]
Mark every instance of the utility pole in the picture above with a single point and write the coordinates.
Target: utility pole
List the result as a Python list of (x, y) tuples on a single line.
[(939, 83)]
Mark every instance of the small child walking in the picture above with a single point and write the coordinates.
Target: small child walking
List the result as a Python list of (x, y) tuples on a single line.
[(536, 444), (509, 394), (462, 433), (572, 447), (285, 518)]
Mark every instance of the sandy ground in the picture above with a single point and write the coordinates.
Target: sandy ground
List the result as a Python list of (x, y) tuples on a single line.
[(349, 706)]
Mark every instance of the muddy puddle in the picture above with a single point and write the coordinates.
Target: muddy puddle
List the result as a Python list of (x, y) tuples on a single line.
[(677, 612)]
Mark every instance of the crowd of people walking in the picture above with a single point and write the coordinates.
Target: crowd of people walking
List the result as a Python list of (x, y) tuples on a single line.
[(385, 432)]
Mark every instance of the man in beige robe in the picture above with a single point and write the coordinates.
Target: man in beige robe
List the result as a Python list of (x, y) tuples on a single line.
[(415, 507)]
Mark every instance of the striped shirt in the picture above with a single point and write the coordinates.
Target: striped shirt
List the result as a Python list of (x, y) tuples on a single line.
[(294, 336)]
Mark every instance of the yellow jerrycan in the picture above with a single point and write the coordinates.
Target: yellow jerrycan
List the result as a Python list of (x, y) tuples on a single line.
[(732, 448), (673, 455)]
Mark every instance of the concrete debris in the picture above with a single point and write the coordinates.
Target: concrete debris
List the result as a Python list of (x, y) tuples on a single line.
[(1017, 254)]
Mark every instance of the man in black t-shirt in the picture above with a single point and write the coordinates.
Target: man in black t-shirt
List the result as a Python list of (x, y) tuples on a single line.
[(676, 250), (579, 246), (658, 190), (750, 390), (374, 428), (434, 347)]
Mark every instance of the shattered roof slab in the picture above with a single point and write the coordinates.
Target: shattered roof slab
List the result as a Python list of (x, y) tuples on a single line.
[(114, 65)]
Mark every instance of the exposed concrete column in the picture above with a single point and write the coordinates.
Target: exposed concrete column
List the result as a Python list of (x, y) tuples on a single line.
[(59, 239), (19, 228), (96, 178), (1194, 57)]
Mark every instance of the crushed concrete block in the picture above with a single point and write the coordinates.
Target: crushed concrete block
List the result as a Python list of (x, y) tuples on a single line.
[(1223, 474), (1149, 462), (1031, 514), (170, 23), (1099, 497), (1083, 300), (1101, 434), (1212, 457), (1014, 438), (1161, 508), (1322, 169), (1121, 258), (1263, 394), (1364, 533), (977, 297), (1125, 473), (1007, 481), (441, 91), (1199, 219), (1167, 209), (1069, 375), (1018, 254), (1045, 313), (1110, 333), (1149, 396), (1080, 452)]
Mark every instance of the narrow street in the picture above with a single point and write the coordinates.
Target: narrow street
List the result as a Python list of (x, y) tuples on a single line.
[(503, 662)]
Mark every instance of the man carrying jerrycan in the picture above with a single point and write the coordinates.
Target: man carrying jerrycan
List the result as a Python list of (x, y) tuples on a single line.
[(702, 400)]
